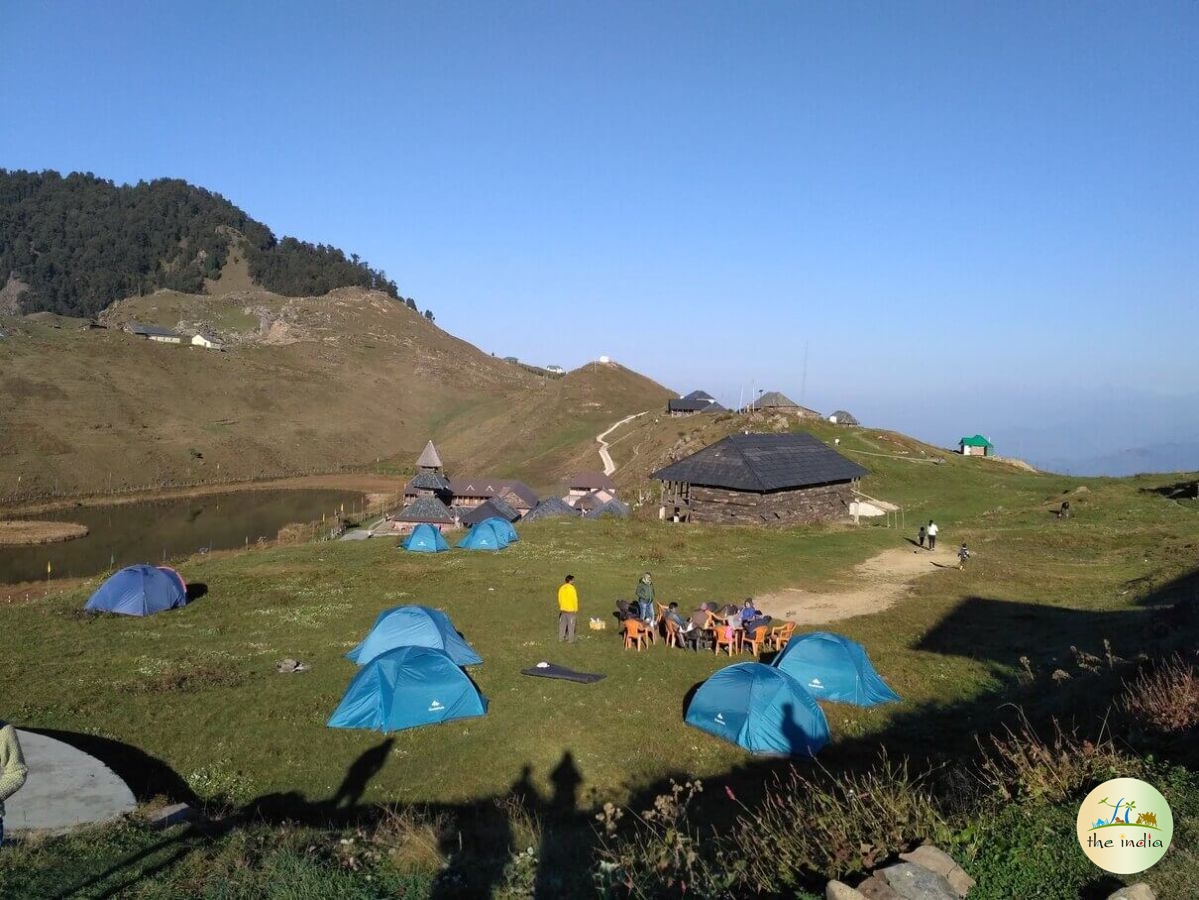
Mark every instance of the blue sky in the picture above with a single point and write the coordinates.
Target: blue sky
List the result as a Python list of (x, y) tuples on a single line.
[(959, 213)]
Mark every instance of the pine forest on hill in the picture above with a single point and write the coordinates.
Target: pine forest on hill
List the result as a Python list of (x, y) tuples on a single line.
[(74, 244)]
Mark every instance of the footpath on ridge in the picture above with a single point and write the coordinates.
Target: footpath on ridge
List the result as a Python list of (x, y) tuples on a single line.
[(605, 456)]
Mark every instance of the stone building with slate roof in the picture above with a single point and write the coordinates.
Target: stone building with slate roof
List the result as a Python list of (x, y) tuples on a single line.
[(760, 479), (695, 402), (470, 492)]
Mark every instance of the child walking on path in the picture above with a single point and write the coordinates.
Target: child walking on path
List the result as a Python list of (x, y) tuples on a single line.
[(963, 555), (920, 537)]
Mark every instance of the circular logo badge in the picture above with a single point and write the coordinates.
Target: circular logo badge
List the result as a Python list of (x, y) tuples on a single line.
[(1125, 825)]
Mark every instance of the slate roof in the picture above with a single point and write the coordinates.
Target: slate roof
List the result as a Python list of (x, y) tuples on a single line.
[(775, 400), (763, 462), (428, 481), (612, 508), (689, 404), (977, 441), (426, 509), (591, 481), (152, 331), (549, 508), (429, 458), (487, 510), (514, 493), (520, 491), (589, 502)]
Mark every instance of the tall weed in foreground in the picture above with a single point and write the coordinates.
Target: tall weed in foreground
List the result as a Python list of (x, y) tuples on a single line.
[(834, 825), (1020, 765), (1165, 698), (658, 853)]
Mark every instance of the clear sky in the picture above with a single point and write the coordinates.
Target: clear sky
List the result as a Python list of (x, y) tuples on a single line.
[(954, 211)]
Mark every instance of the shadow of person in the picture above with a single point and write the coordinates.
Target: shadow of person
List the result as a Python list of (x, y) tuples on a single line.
[(566, 780), (567, 838), (796, 739), (524, 792), (363, 769)]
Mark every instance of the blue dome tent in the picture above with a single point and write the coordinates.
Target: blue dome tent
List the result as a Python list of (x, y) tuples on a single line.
[(761, 709), (425, 539), (406, 688), (483, 537), (414, 626), (139, 591), (503, 528), (832, 667)]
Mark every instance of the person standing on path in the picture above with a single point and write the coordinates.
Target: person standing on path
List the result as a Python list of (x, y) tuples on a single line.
[(645, 598), (920, 537), (12, 768), (568, 609), (932, 535)]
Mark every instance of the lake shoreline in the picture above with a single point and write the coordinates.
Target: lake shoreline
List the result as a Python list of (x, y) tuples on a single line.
[(375, 487)]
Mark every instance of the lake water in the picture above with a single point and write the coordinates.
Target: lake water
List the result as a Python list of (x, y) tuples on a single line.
[(131, 533)]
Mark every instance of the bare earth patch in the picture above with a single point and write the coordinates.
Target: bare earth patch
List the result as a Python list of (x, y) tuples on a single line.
[(881, 581), (16, 533)]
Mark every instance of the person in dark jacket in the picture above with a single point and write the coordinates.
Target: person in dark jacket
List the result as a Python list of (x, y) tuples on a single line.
[(645, 598)]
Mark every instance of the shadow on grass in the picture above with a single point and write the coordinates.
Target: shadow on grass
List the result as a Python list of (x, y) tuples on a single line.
[(479, 841)]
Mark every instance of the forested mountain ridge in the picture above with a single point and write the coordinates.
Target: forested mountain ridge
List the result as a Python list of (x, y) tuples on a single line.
[(75, 244)]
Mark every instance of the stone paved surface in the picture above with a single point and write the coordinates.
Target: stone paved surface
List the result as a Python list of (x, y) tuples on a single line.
[(65, 788)]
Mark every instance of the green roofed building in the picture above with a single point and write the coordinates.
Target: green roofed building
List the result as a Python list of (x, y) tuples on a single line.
[(976, 446)]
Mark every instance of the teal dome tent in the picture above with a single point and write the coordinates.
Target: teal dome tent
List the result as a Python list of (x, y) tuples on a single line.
[(761, 709), (832, 667), (406, 688), (425, 539), (414, 626)]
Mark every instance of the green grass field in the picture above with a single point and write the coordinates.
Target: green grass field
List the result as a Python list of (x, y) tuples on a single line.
[(195, 690)]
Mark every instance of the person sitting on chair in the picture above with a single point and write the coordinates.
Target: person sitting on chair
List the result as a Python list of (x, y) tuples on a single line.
[(757, 622)]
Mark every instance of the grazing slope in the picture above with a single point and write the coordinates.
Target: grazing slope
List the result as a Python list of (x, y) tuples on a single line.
[(309, 383)]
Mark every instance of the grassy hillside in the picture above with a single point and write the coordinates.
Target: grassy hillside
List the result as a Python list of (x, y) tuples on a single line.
[(308, 383), (1048, 620)]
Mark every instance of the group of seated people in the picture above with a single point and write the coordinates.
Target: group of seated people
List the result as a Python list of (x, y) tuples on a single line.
[(700, 629)]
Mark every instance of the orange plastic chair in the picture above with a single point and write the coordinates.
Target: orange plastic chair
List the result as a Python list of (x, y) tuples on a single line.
[(672, 633), (780, 634), (635, 634), (755, 641), (726, 636)]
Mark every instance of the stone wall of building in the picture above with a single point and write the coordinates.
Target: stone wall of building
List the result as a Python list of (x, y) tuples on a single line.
[(795, 507)]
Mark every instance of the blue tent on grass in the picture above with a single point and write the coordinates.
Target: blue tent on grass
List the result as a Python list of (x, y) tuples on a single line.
[(483, 537), (414, 626), (832, 667), (406, 688), (761, 709), (425, 539), (503, 528), (140, 591)]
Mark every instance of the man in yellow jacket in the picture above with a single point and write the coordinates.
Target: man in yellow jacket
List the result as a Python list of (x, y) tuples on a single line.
[(12, 768), (568, 609)]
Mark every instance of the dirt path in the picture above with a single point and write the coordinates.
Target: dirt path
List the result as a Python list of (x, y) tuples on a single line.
[(880, 582), (605, 456)]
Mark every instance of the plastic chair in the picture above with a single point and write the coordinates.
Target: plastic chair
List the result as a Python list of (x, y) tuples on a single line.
[(726, 636), (635, 634), (780, 634), (756, 640), (672, 633)]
